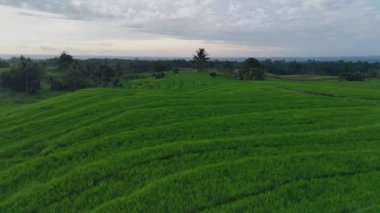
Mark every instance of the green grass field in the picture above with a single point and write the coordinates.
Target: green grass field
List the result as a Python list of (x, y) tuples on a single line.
[(189, 143)]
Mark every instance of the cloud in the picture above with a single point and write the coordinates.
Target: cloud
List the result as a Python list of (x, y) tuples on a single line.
[(296, 26)]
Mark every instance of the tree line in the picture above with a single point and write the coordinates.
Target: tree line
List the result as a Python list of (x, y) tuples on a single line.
[(66, 73), (352, 71), (25, 76), (4, 64)]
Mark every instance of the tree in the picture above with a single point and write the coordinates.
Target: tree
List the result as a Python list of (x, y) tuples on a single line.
[(252, 70), (74, 78), (65, 60), (118, 70), (159, 68), (201, 58), (106, 73), (3, 64), (226, 68), (26, 76)]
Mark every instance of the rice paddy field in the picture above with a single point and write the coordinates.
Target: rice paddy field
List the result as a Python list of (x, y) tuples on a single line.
[(190, 143)]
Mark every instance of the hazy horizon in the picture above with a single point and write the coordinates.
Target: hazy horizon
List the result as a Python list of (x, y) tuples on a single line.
[(226, 28)]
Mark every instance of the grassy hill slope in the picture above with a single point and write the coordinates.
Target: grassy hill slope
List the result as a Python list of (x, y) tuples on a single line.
[(191, 143)]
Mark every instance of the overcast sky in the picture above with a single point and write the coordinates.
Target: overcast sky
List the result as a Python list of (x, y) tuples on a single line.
[(178, 27)]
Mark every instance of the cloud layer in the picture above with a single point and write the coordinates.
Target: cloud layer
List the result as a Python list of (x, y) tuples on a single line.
[(289, 27)]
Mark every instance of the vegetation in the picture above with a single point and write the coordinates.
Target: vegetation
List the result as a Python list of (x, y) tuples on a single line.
[(190, 143), (352, 71), (201, 58), (175, 70), (65, 73), (159, 69), (65, 60), (227, 68), (26, 76), (3, 63), (252, 70), (355, 75)]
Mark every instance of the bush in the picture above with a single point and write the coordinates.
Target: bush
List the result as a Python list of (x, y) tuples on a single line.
[(355, 76), (75, 78), (116, 82), (159, 75), (56, 84), (213, 74)]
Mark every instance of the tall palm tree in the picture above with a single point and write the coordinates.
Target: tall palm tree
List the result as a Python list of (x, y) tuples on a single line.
[(201, 58)]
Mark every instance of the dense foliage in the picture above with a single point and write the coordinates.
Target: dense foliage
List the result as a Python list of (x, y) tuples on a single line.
[(70, 74), (26, 76), (346, 70), (3, 63), (252, 70), (226, 68)]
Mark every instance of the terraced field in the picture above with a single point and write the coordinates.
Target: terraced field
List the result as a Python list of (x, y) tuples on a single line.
[(189, 143)]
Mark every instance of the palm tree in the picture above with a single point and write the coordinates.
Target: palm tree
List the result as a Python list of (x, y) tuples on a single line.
[(201, 58)]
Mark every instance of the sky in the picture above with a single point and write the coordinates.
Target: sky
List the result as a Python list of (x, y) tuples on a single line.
[(168, 28)]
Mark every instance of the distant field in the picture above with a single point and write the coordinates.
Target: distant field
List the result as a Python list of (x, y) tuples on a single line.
[(189, 143)]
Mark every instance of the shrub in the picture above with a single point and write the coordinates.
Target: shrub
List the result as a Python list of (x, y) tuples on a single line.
[(56, 84), (355, 76), (159, 75), (116, 82)]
